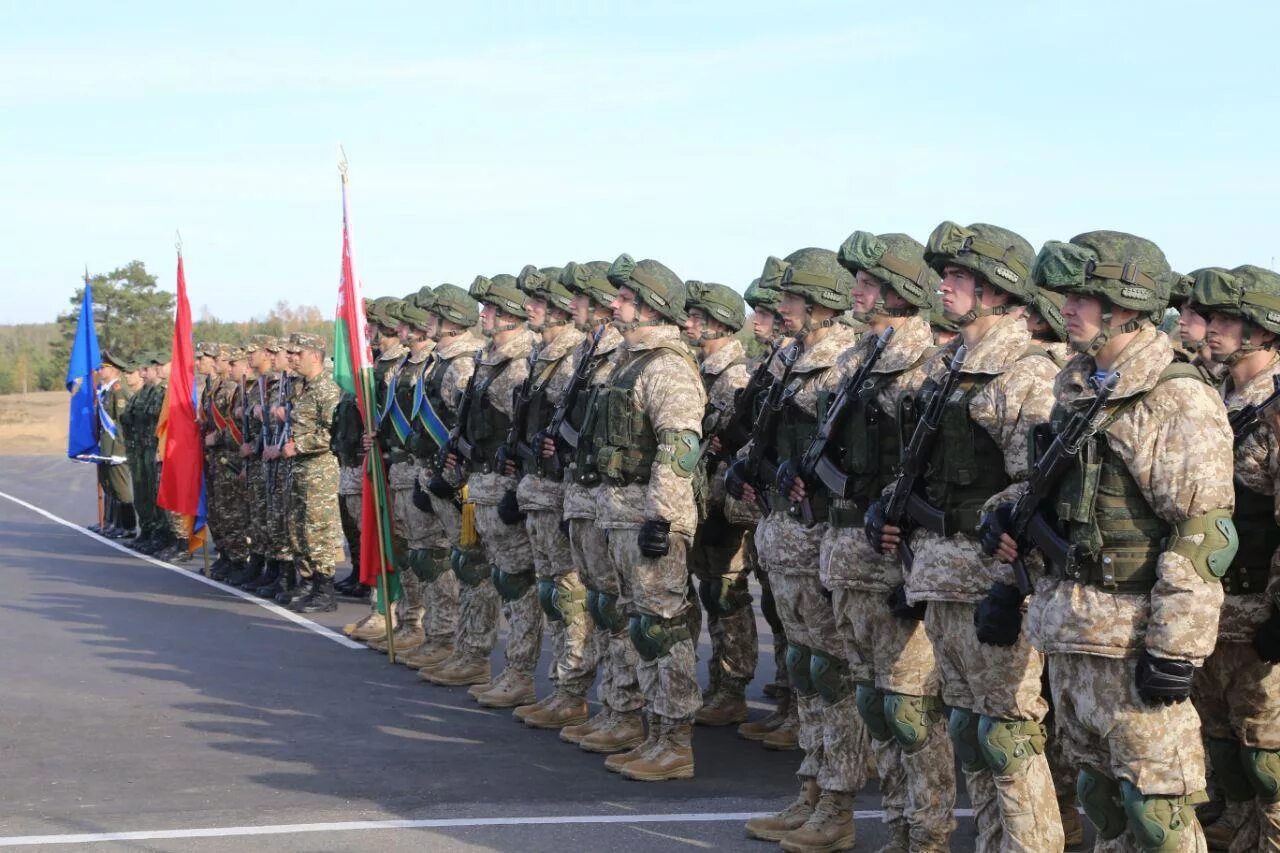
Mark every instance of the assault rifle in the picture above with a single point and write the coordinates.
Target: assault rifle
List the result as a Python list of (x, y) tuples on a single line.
[(456, 444), (755, 469), (560, 429), (815, 463), (1247, 419), (286, 431), (514, 447), (734, 426), (916, 456), (1026, 525)]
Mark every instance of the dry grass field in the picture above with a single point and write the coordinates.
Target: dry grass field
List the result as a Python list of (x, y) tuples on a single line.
[(33, 423)]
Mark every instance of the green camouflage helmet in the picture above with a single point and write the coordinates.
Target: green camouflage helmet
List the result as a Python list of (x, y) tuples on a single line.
[(377, 312), (997, 255), (1249, 292), (591, 278), (762, 298), (502, 292), (424, 297), (895, 259), (1179, 287), (816, 275), (655, 284), (452, 303), (719, 302), (412, 313), (545, 284), (1048, 305)]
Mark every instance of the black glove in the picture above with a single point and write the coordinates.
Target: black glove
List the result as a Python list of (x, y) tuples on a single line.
[(873, 523), (994, 523), (564, 526), (421, 499), (509, 509), (440, 487), (1266, 641), (787, 474), (1163, 680), (655, 538), (898, 606), (735, 477), (998, 617)]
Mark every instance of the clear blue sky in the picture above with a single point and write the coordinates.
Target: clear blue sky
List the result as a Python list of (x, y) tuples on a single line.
[(706, 135)]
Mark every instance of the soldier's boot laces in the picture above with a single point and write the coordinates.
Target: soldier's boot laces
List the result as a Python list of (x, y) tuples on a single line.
[(575, 733), (525, 710), (320, 598), (1235, 814), (408, 637), (758, 729), (564, 709), (618, 734), (773, 827), (515, 689), (830, 827), (457, 673), (428, 654), (670, 758), (728, 706), (787, 735), (614, 763), (289, 586), (371, 626)]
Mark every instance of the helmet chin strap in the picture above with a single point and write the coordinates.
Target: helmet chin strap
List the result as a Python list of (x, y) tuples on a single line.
[(1247, 347), (810, 326), (978, 310), (1093, 347)]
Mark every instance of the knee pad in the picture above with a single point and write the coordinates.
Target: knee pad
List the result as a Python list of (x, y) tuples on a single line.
[(654, 636), (870, 702), (1157, 822), (561, 601), (910, 718), (1008, 746), (547, 598), (1226, 759), (1099, 796), (512, 585), (963, 730), (798, 669), (468, 566), (723, 596), (830, 676), (428, 563), (1263, 768), (603, 607)]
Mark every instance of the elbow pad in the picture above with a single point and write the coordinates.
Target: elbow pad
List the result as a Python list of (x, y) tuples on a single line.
[(679, 449), (1212, 555)]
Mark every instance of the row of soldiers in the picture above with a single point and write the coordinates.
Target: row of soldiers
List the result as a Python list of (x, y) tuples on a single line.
[(975, 482)]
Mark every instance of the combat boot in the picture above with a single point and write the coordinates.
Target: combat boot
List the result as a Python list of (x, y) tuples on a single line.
[(671, 758), (564, 709), (830, 827), (426, 655), (350, 582), (476, 689), (291, 587), (181, 552), (457, 672), (614, 763), (575, 734), (509, 690), (258, 564), (773, 827), (525, 710), (244, 571), (785, 737), (270, 577), (758, 729), (727, 706), (898, 839), (220, 568), (319, 600), (1072, 826), (373, 625), (1235, 815), (407, 638)]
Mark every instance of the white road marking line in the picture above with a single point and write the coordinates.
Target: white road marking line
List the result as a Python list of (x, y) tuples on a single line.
[(376, 825), (313, 627)]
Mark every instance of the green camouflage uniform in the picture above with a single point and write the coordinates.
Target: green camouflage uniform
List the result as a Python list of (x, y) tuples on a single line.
[(314, 507)]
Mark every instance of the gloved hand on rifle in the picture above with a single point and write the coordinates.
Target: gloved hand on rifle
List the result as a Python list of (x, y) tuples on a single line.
[(998, 617), (1163, 681), (655, 538), (898, 606), (509, 509)]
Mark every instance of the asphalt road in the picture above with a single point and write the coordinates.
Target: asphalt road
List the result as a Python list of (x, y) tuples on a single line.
[(139, 699)]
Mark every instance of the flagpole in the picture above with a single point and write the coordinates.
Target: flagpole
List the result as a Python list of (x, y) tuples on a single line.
[(93, 384), (374, 463)]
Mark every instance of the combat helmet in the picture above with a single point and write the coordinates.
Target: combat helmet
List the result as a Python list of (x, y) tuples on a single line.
[(1248, 292), (502, 292), (452, 303), (1048, 305), (1116, 268), (545, 284), (998, 257), (763, 296), (591, 278), (411, 313), (378, 311), (719, 302), (816, 276), (898, 261), (655, 285)]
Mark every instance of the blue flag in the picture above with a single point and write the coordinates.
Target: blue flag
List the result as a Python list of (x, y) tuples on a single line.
[(82, 438)]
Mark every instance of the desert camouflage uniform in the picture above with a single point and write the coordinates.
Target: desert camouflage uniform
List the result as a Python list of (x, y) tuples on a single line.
[(314, 509), (1176, 446), (574, 654), (1236, 693), (832, 734), (669, 394), (1010, 391), (890, 659), (719, 553)]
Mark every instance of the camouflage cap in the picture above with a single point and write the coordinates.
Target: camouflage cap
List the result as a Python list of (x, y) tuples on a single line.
[(237, 353), (1128, 271), (591, 278), (220, 351), (452, 303), (816, 275), (718, 301), (1249, 292), (545, 284), (272, 344), (258, 342), (655, 284), (502, 291), (1000, 256), (299, 341), (895, 259), (157, 357)]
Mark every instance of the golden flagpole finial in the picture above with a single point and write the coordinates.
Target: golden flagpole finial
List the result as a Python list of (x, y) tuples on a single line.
[(177, 242), (342, 162)]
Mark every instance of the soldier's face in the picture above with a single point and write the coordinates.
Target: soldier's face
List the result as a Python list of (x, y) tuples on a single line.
[(794, 311), (280, 360), (625, 306), (958, 289), (204, 365), (763, 323), (162, 370), (695, 324), (581, 308), (1225, 334), (1084, 317), (537, 310), (1191, 324), (309, 361), (488, 318), (433, 327), (1036, 324)]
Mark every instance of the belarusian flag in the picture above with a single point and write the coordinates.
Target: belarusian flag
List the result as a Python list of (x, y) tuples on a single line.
[(353, 371)]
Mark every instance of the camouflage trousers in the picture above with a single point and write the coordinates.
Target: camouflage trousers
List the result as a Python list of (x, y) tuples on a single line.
[(350, 495), (718, 561), (617, 660), (659, 587), (433, 604), (769, 610), (894, 658), (255, 487), (1105, 724), (476, 630), (276, 477), (314, 522), (575, 650), (508, 550), (228, 507), (1016, 811), (144, 490)]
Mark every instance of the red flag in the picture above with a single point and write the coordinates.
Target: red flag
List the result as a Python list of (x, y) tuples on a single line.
[(181, 477)]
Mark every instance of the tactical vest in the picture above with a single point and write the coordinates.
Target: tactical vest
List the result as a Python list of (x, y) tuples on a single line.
[(1254, 518), (487, 425), (625, 441), (541, 409), (585, 417), (868, 452), (433, 390), (346, 432), (795, 430)]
